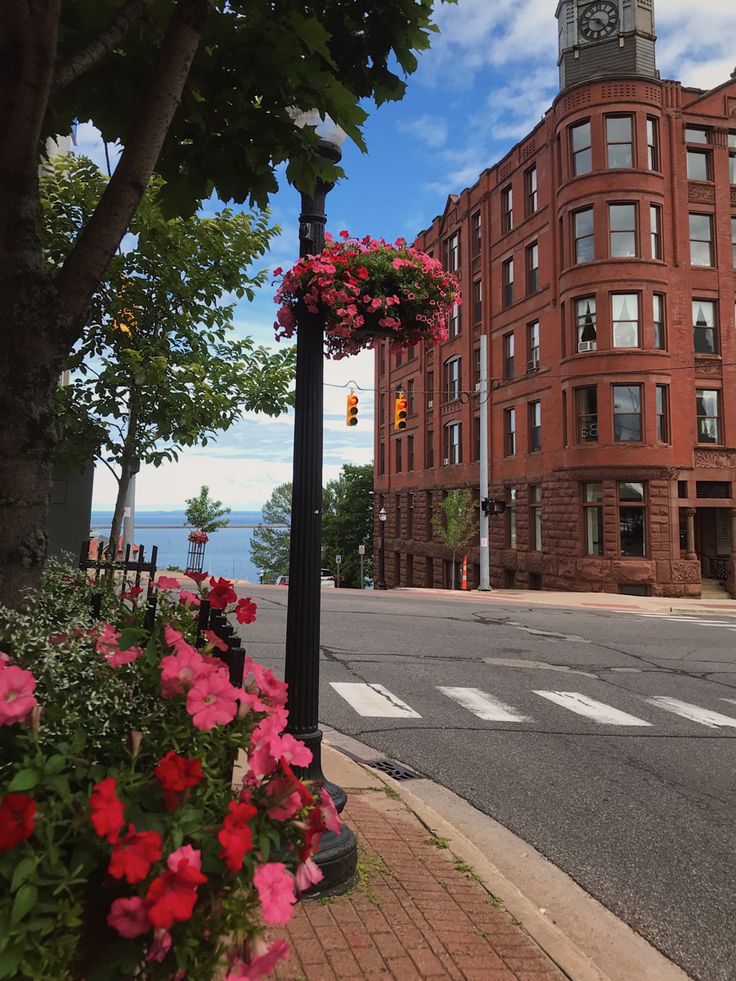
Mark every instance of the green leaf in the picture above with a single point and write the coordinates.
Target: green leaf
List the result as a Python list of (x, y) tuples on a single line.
[(23, 780), (55, 764), (9, 962), (25, 868), (25, 900)]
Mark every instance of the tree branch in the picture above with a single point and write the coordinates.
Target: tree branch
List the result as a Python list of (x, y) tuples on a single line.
[(81, 273), (93, 52)]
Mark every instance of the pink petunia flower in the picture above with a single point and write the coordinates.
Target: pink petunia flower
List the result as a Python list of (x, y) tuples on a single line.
[(168, 582), (212, 701), (16, 694), (329, 812), (185, 854), (160, 947), (259, 964), (307, 874), (179, 671), (188, 599), (275, 885), (129, 917)]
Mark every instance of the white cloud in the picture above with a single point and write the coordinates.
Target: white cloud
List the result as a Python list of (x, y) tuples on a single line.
[(428, 129)]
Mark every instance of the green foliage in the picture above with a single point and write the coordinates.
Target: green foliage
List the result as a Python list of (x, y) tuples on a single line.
[(269, 547), (347, 522), (257, 59), (460, 523), (205, 514)]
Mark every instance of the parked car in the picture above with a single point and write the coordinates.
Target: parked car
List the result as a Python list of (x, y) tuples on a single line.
[(327, 579), (282, 581)]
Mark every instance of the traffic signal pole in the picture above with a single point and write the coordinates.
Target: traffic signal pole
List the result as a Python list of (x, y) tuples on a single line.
[(485, 563)]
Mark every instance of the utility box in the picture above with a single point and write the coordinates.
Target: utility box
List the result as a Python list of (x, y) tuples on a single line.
[(70, 509)]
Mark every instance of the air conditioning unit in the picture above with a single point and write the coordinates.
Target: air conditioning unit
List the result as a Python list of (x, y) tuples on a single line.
[(430, 403), (585, 346), (446, 462), (532, 366)]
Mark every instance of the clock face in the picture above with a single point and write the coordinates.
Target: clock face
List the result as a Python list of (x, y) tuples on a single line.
[(599, 20)]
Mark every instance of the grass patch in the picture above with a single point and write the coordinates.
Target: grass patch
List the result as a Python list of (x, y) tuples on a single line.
[(436, 842)]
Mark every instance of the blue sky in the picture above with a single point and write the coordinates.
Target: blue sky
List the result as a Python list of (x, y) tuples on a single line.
[(489, 77)]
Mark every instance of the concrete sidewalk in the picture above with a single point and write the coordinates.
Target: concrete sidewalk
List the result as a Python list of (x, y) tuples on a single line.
[(433, 903)]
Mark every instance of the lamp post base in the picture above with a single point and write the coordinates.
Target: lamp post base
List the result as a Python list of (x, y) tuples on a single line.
[(337, 858)]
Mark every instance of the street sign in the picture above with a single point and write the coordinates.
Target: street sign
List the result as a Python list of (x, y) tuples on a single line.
[(361, 549), (338, 559), (484, 543)]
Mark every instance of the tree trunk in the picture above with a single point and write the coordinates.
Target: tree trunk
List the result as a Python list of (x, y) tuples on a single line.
[(30, 366)]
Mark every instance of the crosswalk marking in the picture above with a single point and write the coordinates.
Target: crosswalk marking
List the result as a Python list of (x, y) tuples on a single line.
[(698, 620), (705, 717), (483, 705), (576, 702), (374, 701)]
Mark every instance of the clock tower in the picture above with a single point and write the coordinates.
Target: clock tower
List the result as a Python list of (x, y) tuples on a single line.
[(605, 38)]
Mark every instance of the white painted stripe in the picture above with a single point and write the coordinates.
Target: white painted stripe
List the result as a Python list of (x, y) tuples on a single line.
[(699, 620), (483, 705), (705, 717), (374, 701), (574, 701), (731, 700)]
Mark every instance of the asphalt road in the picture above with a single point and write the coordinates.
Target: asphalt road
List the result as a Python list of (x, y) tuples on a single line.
[(637, 808)]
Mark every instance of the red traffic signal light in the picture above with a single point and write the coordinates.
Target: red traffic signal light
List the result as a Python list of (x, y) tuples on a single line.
[(351, 414), (400, 409)]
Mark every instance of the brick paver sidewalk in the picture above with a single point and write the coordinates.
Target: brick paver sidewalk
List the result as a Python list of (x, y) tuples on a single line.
[(417, 912)]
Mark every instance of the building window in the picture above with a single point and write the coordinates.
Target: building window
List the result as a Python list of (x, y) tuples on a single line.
[(410, 352), (535, 507), (586, 413), (532, 345), (453, 445), (584, 245), (698, 165), (477, 301), (593, 517), (586, 323), (705, 337), (660, 342), (430, 389), (732, 158), (410, 514), (430, 450), (532, 267), (507, 280), (409, 453), (410, 396), (507, 209), (399, 358), (697, 134), (452, 252), (632, 518), (655, 230), (476, 366), (509, 432), (663, 413), (733, 241), (509, 367), (625, 319), (622, 230), (627, 413), (701, 240), (530, 188), (652, 143), (475, 235), (399, 463), (381, 458), (452, 379), (581, 149), (619, 141), (453, 320), (707, 405), (511, 517), (535, 427), (476, 437)]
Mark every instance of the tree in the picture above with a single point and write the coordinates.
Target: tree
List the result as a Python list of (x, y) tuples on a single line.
[(204, 91), (460, 523), (269, 546), (204, 513), (158, 366), (347, 522)]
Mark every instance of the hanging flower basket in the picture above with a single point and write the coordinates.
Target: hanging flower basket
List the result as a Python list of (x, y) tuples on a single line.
[(201, 537), (195, 558), (367, 290)]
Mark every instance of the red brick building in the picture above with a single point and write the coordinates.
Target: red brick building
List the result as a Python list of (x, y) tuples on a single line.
[(598, 256)]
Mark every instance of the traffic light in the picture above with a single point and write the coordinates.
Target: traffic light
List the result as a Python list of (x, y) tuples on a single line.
[(351, 414), (400, 411)]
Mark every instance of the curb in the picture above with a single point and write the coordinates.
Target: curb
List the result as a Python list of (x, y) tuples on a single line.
[(584, 939)]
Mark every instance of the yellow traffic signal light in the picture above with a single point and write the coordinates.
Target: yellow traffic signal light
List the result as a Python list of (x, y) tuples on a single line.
[(400, 407), (351, 415)]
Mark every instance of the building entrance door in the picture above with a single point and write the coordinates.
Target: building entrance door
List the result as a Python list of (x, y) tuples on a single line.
[(713, 542)]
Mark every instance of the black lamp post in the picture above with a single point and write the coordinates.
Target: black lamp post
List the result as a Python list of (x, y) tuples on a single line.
[(381, 584), (337, 856)]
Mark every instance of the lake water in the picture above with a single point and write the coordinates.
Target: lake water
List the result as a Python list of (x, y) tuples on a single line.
[(227, 553)]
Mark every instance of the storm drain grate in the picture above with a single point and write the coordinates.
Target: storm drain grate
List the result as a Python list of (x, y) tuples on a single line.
[(394, 769)]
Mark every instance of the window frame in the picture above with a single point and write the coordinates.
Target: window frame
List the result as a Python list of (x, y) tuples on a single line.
[(453, 252), (655, 231), (659, 326), (536, 496), (652, 130), (453, 428), (635, 506), (705, 329), (531, 190), (453, 321), (662, 410), (507, 209), (619, 427), (534, 410), (452, 370), (620, 322), (701, 416), (585, 149), (709, 242), (589, 236), (612, 144), (580, 327), (476, 234), (509, 356), (632, 231), (398, 455), (593, 512), (533, 343), (586, 423), (532, 267), (507, 281), (509, 431), (477, 301)]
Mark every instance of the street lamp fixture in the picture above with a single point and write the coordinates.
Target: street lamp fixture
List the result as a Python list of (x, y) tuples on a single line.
[(381, 582), (337, 855), (493, 508)]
